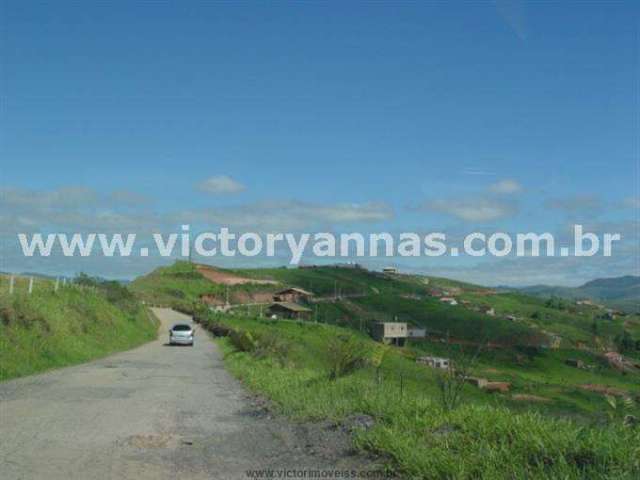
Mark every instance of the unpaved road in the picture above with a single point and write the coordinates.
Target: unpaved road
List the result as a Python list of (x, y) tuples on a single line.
[(156, 412)]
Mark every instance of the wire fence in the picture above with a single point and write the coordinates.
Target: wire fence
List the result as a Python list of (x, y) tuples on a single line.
[(31, 284)]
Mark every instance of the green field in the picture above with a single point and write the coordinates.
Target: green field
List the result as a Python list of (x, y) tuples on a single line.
[(79, 322)]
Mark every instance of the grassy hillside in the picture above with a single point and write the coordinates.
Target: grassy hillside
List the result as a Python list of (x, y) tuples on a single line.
[(357, 298), (181, 286), (77, 323), (516, 352), (484, 436), (555, 421)]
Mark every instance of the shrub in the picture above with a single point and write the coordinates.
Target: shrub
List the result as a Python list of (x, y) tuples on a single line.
[(345, 354), (270, 345), (243, 341)]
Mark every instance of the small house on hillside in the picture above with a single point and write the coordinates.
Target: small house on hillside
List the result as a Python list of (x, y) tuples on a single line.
[(292, 295), (289, 310), (390, 332), (450, 300), (476, 381), (414, 332), (434, 362)]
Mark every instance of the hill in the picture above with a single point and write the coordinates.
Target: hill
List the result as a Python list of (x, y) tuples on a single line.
[(77, 322), (547, 353), (618, 292), (357, 298)]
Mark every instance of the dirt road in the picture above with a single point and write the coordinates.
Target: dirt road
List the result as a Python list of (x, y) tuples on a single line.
[(156, 412)]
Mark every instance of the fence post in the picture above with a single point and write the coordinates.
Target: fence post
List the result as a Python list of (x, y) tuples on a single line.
[(401, 386), (11, 284), (30, 285), (55, 288)]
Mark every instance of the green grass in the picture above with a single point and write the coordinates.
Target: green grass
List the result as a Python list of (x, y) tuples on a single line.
[(50, 329), (488, 436), (179, 286)]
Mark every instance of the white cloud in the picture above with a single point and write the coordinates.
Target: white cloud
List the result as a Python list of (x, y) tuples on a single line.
[(288, 215), (220, 185), (71, 208), (506, 186), (472, 209)]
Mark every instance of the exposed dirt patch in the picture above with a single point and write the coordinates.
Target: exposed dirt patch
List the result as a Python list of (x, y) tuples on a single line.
[(239, 298), (326, 440), (604, 389), (226, 278), (256, 297)]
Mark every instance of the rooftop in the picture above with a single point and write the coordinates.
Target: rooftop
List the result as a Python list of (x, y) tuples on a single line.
[(294, 307)]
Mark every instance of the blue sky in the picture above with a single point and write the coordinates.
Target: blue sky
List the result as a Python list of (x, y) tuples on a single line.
[(453, 116)]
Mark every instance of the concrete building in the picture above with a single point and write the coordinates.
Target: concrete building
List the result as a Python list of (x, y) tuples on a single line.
[(478, 382), (390, 332), (414, 332), (434, 362)]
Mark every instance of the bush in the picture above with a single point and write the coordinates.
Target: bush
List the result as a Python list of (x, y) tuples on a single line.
[(243, 341), (270, 345), (345, 354)]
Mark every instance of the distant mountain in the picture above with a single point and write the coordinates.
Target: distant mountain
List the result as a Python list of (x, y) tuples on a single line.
[(618, 292)]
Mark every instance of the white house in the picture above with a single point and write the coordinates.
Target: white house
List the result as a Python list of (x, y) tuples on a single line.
[(434, 362)]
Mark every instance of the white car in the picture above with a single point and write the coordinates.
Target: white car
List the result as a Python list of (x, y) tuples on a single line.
[(181, 334)]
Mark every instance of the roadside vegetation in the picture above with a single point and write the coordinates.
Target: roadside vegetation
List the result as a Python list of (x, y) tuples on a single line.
[(83, 320), (317, 371)]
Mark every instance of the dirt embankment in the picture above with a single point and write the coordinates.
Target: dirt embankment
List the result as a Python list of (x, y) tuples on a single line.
[(227, 278)]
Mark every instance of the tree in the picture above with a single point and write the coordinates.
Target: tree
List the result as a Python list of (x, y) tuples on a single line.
[(624, 342)]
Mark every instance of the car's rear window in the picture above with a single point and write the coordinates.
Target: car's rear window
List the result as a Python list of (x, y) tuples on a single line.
[(181, 328)]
